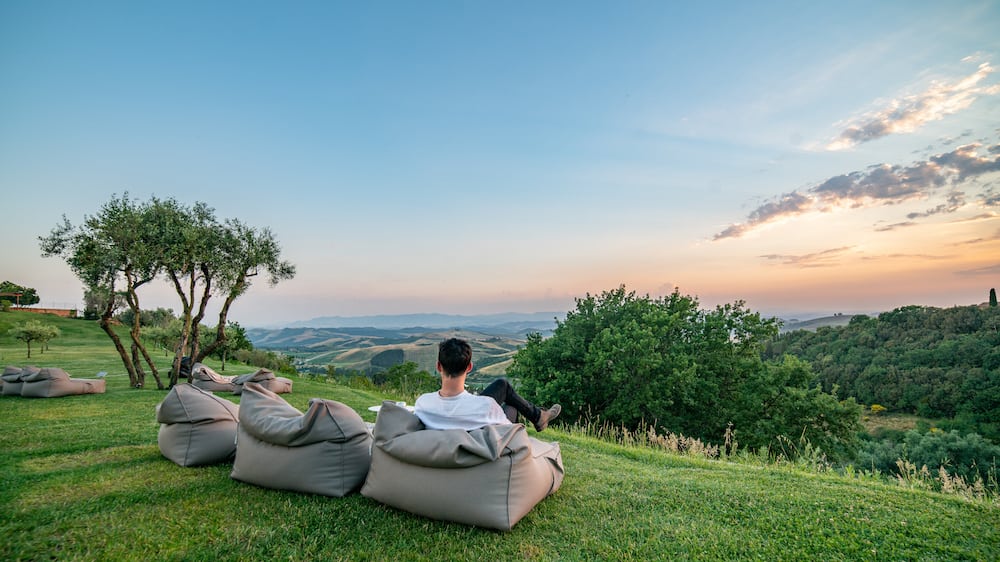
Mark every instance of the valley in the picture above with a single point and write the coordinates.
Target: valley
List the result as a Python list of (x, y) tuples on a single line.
[(359, 349)]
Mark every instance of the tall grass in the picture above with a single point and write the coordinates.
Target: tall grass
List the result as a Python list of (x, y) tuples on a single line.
[(802, 455)]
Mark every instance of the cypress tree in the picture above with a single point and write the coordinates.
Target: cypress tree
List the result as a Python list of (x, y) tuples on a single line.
[(993, 297)]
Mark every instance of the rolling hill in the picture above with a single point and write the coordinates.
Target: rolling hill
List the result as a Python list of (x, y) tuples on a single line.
[(354, 348)]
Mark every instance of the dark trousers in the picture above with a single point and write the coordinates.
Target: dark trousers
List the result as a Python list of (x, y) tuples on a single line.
[(512, 403)]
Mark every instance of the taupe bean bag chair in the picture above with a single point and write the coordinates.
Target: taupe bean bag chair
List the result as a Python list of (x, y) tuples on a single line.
[(196, 426), (53, 382), (265, 378), (489, 477), (323, 451), (207, 379)]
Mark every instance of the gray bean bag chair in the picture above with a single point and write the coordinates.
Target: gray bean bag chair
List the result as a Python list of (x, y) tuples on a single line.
[(265, 378), (196, 426), (207, 379), (489, 477), (12, 379), (324, 451), (53, 382)]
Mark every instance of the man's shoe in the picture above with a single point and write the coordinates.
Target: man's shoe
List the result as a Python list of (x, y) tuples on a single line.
[(547, 416)]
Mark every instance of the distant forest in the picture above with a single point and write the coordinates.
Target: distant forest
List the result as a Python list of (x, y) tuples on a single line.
[(932, 362)]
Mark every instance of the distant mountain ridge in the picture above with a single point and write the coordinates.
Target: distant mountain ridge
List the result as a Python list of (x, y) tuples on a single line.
[(508, 321)]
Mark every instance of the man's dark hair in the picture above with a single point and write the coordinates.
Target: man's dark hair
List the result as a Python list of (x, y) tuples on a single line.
[(454, 355)]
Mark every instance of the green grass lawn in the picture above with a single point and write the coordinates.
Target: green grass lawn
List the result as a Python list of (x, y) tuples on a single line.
[(81, 478)]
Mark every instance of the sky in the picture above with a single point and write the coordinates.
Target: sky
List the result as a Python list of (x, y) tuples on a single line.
[(469, 157)]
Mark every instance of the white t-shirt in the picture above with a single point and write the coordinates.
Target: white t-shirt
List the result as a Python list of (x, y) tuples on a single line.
[(464, 411)]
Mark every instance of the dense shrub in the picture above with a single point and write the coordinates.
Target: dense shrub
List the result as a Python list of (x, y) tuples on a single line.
[(938, 363), (277, 362), (403, 381), (632, 360), (968, 456)]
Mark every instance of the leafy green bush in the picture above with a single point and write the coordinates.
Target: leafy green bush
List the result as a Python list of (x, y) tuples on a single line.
[(404, 381), (406, 378), (968, 456), (632, 360), (934, 362), (277, 362)]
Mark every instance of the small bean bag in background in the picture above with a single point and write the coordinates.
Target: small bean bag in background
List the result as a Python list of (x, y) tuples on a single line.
[(326, 450), (207, 379), (13, 379), (53, 382), (266, 379), (489, 477), (196, 426)]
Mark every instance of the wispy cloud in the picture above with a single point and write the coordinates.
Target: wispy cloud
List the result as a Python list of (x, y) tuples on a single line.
[(894, 226), (787, 205), (882, 184), (978, 218), (909, 113), (988, 270), (991, 199), (832, 257), (910, 257), (825, 258), (994, 238), (956, 200)]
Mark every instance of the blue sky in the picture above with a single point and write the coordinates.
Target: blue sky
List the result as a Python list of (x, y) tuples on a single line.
[(471, 157)]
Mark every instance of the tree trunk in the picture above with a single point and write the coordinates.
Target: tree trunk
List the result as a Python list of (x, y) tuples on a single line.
[(187, 304), (220, 328), (106, 317), (196, 321), (136, 333), (122, 352), (140, 374), (139, 348), (152, 366)]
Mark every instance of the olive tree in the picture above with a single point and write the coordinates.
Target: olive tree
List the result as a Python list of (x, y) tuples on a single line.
[(202, 257), (244, 253), (127, 245), (188, 240), (33, 330), (114, 254)]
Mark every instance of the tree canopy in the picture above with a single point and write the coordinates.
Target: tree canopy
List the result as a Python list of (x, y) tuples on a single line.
[(933, 362), (33, 330), (632, 360), (128, 244), (16, 294)]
